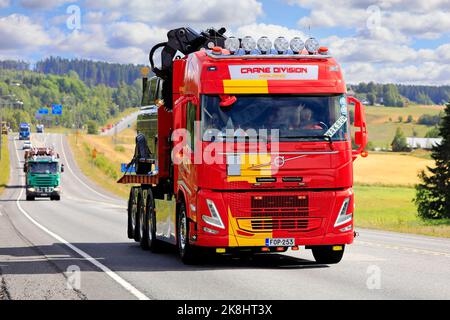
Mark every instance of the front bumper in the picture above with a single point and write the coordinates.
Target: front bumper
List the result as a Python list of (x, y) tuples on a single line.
[(43, 192), (315, 227)]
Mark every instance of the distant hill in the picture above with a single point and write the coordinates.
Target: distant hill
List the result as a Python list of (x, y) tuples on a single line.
[(399, 95), (90, 72)]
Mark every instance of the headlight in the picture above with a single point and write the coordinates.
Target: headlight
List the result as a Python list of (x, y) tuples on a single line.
[(312, 45), (248, 44), (232, 44), (343, 217), (214, 219), (297, 45), (264, 44), (31, 189), (281, 44)]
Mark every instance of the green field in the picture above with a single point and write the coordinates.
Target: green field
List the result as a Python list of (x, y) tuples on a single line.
[(4, 164), (382, 131), (391, 208)]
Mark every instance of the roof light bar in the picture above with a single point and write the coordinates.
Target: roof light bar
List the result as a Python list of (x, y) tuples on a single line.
[(281, 45), (264, 45), (312, 45), (248, 44)]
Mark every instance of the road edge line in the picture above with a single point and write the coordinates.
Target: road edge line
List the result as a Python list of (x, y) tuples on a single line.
[(125, 284)]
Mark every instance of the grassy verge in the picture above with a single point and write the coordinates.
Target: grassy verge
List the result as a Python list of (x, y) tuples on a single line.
[(391, 208), (4, 164), (105, 169)]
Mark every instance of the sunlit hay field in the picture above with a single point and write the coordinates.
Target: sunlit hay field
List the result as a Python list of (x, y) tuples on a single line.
[(392, 169)]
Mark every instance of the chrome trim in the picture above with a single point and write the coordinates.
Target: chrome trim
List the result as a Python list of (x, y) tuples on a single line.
[(183, 184)]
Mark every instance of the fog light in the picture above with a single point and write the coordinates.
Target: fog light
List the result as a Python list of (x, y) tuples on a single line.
[(208, 230), (221, 250)]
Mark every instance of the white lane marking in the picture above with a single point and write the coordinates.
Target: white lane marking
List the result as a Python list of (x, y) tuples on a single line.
[(402, 248), (125, 284), (1, 214), (73, 173)]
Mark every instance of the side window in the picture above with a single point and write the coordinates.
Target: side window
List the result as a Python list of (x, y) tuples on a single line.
[(191, 111)]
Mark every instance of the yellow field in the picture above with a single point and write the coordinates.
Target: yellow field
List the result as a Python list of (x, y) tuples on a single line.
[(389, 169)]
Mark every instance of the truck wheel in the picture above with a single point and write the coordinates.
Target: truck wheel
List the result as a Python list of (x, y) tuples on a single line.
[(152, 243), (55, 198), (186, 251), (140, 211), (30, 198), (132, 210), (326, 254), (143, 224)]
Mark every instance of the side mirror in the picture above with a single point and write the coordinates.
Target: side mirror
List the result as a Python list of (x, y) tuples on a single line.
[(361, 136), (62, 168), (152, 90)]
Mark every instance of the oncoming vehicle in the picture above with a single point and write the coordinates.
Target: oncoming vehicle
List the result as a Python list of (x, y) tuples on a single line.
[(26, 145), (43, 174), (249, 148), (24, 131)]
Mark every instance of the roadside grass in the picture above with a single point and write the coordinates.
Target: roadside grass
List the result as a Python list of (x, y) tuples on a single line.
[(105, 169), (4, 164), (382, 131), (391, 208)]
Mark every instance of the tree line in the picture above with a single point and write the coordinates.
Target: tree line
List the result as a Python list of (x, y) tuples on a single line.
[(80, 101), (399, 95)]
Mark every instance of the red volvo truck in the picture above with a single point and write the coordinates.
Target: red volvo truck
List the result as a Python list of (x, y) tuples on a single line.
[(246, 147)]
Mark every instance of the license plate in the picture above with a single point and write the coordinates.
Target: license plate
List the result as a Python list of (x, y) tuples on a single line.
[(280, 242)]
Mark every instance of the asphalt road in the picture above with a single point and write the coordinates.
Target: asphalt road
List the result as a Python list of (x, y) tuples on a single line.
[(122, 124), (77, 249)]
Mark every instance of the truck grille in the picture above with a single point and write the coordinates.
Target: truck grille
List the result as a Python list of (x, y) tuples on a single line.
[(267, 225), (44, 181), (294, 201)]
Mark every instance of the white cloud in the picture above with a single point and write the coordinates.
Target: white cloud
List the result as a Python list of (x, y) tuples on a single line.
[(196, 13), (43, 4), (272, 31), (4, 3), (19, 32)]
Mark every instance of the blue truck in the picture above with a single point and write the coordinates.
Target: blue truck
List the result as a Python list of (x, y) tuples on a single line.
[(24, 131)]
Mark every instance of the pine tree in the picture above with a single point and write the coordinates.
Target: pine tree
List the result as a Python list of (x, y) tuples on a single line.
[(433, 193)]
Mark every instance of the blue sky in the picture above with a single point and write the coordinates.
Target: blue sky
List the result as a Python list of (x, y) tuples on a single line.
[(405, 41)]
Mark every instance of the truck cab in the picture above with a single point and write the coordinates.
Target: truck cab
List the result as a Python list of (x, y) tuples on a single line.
[(253, 150), (24, 131), (43, 174)]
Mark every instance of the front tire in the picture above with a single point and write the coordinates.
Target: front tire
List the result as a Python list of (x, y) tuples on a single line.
[(186, 251), (326, 254), (30, 198)]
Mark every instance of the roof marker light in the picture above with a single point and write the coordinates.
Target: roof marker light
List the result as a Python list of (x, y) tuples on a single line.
[(312, 45), (232, 44), (297, 45), (264, 44), (281, 45), (248, 44)]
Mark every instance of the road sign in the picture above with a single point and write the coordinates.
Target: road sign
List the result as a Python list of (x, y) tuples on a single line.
[(57, 109), (43, 111)]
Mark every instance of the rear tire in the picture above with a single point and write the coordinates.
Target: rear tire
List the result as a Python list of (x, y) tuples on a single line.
[(55, 198), (152, 243), (132, 209), (187, 252), (140, 210), (326, 254)]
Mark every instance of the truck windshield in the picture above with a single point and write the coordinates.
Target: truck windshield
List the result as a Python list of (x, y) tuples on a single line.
[(298, 118), (24, 129), (43, 167)]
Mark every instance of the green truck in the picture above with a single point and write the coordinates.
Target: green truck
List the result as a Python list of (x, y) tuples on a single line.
[(43, 174)]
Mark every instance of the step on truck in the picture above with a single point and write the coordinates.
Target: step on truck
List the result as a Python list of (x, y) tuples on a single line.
[(43, 174), (244, 147)]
